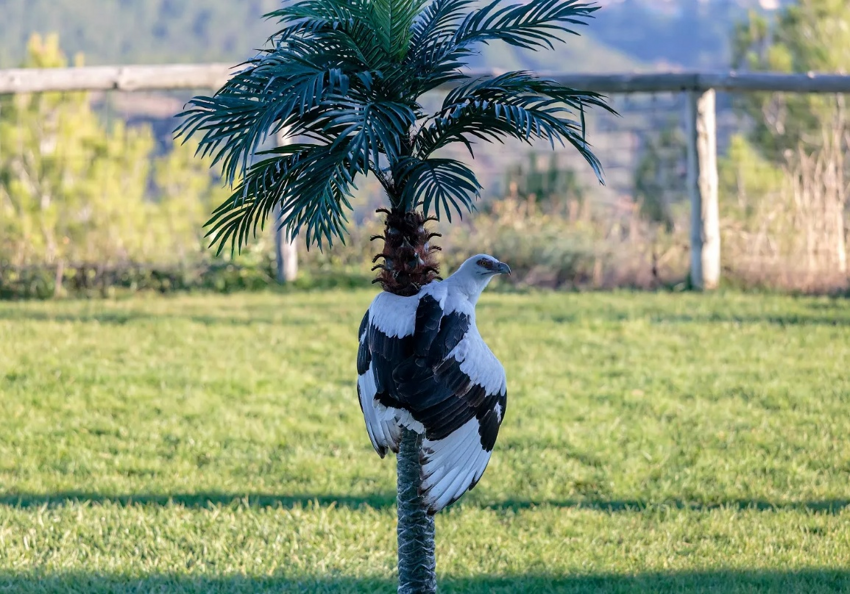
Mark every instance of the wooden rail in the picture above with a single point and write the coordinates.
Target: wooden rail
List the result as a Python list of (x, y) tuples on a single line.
[(212, 76), (700, 87), (115, 78), (666, 82)]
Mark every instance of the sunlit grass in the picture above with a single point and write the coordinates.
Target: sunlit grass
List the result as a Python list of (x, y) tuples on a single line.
[(214, 444)]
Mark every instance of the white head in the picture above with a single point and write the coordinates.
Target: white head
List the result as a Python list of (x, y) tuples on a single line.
[(473, 275)]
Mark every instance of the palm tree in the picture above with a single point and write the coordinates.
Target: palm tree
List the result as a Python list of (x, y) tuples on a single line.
[(345, 78)]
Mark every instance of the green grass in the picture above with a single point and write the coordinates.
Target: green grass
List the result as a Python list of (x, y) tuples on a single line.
[(653, 443)]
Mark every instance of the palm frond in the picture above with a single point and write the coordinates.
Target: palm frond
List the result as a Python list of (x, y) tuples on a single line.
[(280, 91), (393, 21), (346, 76), (513, 105), (311, 184), (373, 128), (435, 56), (438, 22), (343, 22), (534, 25), (238, 218), (438, 184), (313, 181), (445, 38)]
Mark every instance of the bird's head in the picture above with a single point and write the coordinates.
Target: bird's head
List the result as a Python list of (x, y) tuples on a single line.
[(485, 266), (474, 274)]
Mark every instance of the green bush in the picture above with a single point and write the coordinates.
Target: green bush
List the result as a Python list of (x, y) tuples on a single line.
[(76, 190)]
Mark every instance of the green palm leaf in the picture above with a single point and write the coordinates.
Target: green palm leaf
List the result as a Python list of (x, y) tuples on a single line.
[(513, 105), (345, 77), (534, 25), (393, 20), (438, 185)]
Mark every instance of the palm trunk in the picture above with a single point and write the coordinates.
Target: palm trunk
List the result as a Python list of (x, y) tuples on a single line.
[(416, 560), (408, 264), (409, 261)]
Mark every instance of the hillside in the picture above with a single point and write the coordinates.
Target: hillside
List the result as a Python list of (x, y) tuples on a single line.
[(156, 31), (138, 31), (626, 35)]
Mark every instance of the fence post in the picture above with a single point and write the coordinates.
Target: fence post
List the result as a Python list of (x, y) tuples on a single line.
[(285, 248), (703, 189)]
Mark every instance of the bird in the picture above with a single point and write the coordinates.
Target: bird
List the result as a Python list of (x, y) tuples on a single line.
[(423, 365)]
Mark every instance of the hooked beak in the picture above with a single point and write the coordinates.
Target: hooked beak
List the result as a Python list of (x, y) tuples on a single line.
[(503, 268)]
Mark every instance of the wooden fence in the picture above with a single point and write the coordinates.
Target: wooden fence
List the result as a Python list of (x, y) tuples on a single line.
[(700, 88)]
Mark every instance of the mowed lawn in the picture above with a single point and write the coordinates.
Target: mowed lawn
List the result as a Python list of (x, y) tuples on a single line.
[(652, 443)]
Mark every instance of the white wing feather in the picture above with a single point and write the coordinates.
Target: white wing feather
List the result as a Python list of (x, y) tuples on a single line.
[(453, 465)]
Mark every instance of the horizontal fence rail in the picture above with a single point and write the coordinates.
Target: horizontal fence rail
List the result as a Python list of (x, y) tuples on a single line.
[(115, 78), (210, 76), (700, 87)]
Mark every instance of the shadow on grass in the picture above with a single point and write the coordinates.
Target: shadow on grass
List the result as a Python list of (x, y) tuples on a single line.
[(834, 317), (808, 581), (123, 318), (199, 500), (387, 500), (837, 320)]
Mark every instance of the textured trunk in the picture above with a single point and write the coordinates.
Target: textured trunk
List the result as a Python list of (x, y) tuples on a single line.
[(408, 264), (416, 561), (408, 257)]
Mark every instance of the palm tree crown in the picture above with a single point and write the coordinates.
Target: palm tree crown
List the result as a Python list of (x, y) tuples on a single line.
[(346, 76)]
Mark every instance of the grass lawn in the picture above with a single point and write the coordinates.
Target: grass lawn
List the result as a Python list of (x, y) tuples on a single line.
[(653, 443)]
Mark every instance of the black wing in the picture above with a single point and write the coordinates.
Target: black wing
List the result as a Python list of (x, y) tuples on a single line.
[(455, 388)]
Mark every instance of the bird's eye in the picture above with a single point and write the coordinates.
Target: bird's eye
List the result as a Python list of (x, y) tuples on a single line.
[(485, 263)]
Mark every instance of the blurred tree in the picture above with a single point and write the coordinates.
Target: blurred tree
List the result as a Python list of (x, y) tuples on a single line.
[(184, 192), (811, 36), (60, 167), (76, 189), (139, 31), (552, 188), (804, 134), (659, 177)]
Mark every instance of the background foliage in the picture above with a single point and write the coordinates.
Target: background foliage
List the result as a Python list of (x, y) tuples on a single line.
[(784, 182), (783, 189), (77, 189)]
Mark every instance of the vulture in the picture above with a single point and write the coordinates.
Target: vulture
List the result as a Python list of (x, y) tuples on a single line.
[(422, 365)]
